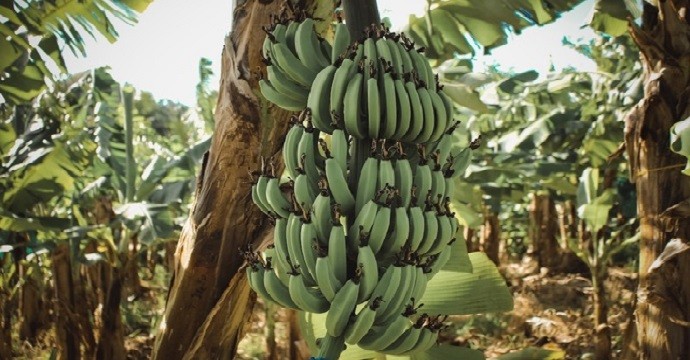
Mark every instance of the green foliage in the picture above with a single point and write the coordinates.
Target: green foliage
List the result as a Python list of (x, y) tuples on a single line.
[(465, 26), (25, 66)]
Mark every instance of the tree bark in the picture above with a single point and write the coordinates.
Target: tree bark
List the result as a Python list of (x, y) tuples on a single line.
[(206, 280), (111, 345), (66, 326), (543, 231), (491, 236), (662, 310)]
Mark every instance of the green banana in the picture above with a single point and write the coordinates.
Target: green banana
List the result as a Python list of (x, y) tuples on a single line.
[(257, 200), (325, 279), (422, 181), (438, 184), (404, 111), (416, 216), (276, 200), (339, 86), (401, 296), (321, 215), (403, 180), (278, 291), (304, 193), (290, 35), (286, 86), (307, 150), (320, 104), (386, 288), (339, 149), (341, 41), (400, 232), (417, 114), (380, 228), (337, 184), (308, 299), (386, 176), (271, 94), (363, 222), (337, 252), (291, 65), (395, 55), (442, 119), (308, 239), (290, 149), (363, 322), (405, 59), (255, 276), (430, 231), (367, 183), (342, 306), (352, 106), (383, 51), (370, 58), (382, 336), (390, 109), (281, 243), (406, 342), (428, 114), (370, 272), (373, 106), (308, 48)]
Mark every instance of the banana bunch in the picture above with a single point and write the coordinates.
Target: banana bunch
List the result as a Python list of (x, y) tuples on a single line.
[(381, 88), (294, 54), (362, 213)]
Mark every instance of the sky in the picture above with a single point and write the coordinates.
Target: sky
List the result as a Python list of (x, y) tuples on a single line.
[(161, 53)]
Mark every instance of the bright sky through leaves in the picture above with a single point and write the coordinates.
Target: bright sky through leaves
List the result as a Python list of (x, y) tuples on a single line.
[(161, 53)]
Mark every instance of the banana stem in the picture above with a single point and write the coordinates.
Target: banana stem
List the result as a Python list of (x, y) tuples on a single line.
[(331, 347), (359, 14)]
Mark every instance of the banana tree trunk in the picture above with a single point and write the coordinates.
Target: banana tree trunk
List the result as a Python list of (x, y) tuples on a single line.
[(543, 231), (664, 289), (33, 310), (111, 344), (491, 236), (66, 326), (5, 313), (209, 301)]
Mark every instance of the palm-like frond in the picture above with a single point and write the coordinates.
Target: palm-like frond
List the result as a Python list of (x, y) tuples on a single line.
[(460, 27), (23, 66)]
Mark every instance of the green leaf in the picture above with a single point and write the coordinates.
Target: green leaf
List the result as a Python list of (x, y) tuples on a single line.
[(510, 85), (153, 221), (596, 214), (533, 353), (8, 53), (22, 86), (484, 23), (455, 293), (464, 96), (467, 216), (12, 222), (448, 352), (610, 17), (459, 258)]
